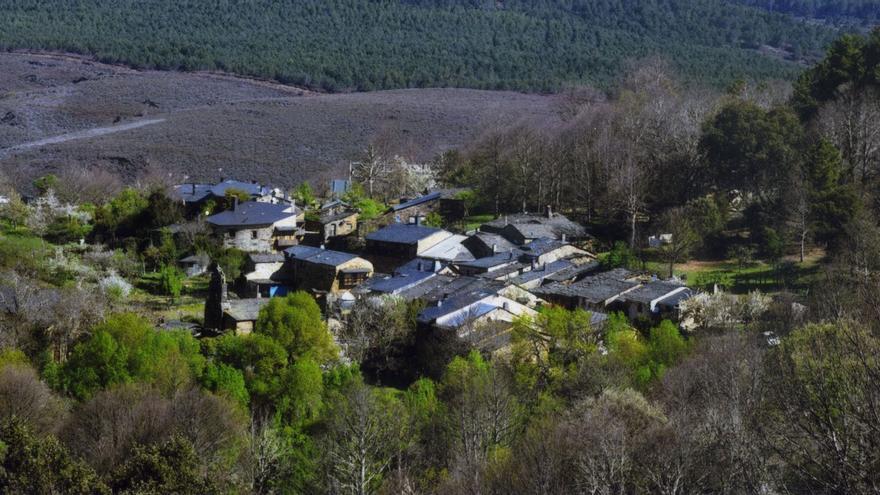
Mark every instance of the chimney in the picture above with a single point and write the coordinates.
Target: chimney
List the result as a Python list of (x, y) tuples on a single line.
[(563, 237), (194, 188), (505, 220), (235, 203), (506, 306), (420, 266), (437, 266), (533, 264), (440, 303), (322, 247), (494, 248), (549, 212)]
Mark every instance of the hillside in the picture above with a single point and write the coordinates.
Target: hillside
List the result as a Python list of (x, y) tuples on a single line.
[(357, 45), (858, 12), (60, 112)]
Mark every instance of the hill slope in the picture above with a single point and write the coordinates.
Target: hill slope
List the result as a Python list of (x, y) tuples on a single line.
[(61, 113), (357, 44)]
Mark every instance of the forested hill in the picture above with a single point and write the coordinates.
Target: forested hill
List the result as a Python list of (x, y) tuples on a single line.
[(861, 12), (372, 44)]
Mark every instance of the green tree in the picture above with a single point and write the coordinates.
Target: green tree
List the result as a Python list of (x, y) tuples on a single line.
[(304, 195), (666, 346), (171, 281), (170, 467), (620, 256), (227, 381), (30, 463), (261, 360), (295, 322), (46, 183), (231, 194), (126, 348)]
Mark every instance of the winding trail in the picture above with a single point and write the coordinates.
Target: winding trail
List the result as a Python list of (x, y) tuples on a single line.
[(86, 134)]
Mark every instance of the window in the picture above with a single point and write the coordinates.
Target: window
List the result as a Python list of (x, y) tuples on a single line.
[(253, 234), (347, 280)]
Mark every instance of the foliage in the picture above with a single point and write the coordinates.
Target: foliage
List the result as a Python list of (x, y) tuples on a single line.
[(172, 467), (227, 381), (46, 183), (231, 261), (304, 195), (233, 194), (517, 45), (118, 218), (620, 256), (171, 281), (126, 348), (368, 208), (259, 358), (434, 219), (33, 464), (64, 229), (295, 322)]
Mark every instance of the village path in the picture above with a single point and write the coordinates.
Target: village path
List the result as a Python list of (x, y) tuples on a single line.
[(84, 134)]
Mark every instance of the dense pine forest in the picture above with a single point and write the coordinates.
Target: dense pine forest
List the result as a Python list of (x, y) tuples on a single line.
[(357, 45), (853, 11)]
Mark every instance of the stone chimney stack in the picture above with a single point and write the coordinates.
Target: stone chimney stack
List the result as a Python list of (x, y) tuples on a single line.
[(549, 211), (218, 298)]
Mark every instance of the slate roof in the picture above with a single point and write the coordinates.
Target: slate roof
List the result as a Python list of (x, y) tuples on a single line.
[(487, 240), (191, 193), (319, 256), (400, 233), (574, 271), (245, 309), (492, 261), (399, 282), (451, 304), (676, 299), (533, 226), (541, 272), (417, 201), (449, 249), (593, 290), (266, 257), (652, 290), (541, 246), (220, 188), (251, 214), (332, 217)]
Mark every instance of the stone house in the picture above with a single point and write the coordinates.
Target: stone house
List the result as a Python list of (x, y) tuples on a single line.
[(524, 228), (334, 219), (223, 314), (443, 201), (404, 242), (323, 270), (254, 226)]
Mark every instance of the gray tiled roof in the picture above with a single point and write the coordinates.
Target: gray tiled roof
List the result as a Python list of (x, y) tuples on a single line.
[(191, 193), (245, 309), (402, 233), (543, 271), (652, 290), (492, 261), (528, 225), (417, 201), (319, 256), (266, 257), (251, 213), (592, 289)]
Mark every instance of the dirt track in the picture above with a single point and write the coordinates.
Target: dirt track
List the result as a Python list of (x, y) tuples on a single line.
[(88, 133)]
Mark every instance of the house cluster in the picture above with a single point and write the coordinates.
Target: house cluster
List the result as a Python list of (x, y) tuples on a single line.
[(472, 285)]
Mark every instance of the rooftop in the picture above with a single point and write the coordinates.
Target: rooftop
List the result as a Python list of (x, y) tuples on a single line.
[(449, 249), (191, 193), (417, 201), (319, 256), (401, 233), (533, 226), (252, 213), (245, 309), (593, 290), (493, 261), (266, 257), (543, 271), (653, 290)]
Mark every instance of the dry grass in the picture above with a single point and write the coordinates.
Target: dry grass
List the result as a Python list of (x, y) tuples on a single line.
[(251, 129)]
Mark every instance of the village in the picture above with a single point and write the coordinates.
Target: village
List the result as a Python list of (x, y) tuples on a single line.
[(472, 284)]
